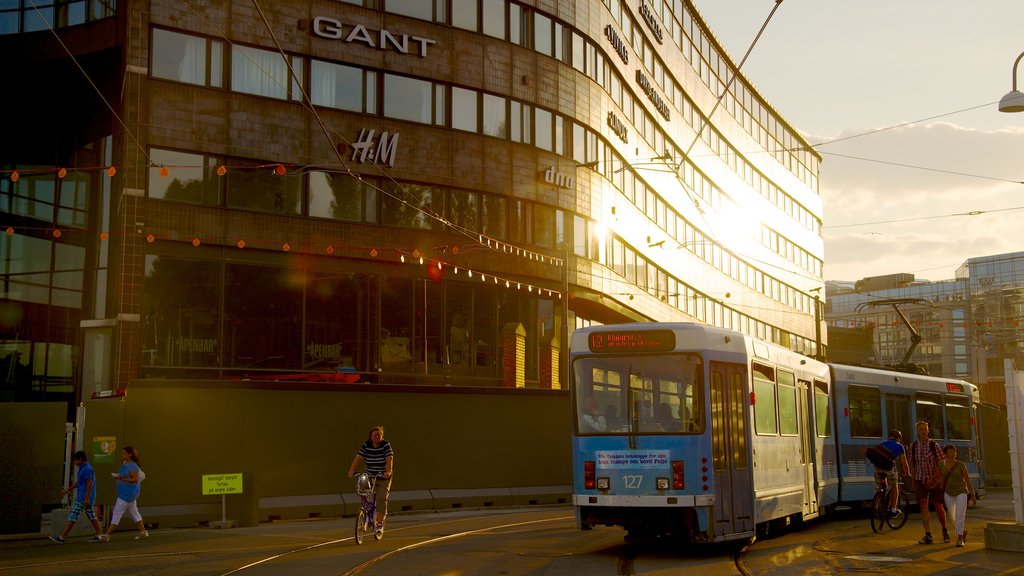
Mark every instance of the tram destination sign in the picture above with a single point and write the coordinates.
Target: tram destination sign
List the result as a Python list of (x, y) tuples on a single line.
[(633, 341)]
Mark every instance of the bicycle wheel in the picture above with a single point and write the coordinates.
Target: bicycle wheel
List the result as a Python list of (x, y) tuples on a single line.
[(360, 526), (879, 509), (903, 505)]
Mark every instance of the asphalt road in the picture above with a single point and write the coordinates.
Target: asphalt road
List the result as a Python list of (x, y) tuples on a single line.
[(510, 542)]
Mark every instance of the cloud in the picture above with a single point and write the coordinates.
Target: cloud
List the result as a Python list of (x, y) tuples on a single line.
[(908, 192)]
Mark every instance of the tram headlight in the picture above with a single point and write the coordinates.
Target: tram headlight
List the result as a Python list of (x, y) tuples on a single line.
[(603, 484), (662, 483)]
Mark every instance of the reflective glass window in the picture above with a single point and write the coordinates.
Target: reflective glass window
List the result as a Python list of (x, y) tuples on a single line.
[(260, 188), (337, 86), (464, 110), (408, 99), (178, 57), (339, 196), (190, 177), (260, 72), (464, 14), (495, 15), (495, 116), (181, 316)]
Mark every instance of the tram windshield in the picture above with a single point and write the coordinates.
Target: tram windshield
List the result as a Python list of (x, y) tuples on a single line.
[(639, 394)]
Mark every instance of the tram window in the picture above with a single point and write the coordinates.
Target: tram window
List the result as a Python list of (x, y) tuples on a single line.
[(958, 418), (865, 412), (929, 409), (787, 404), (821, 409), (650, 394), (764, 400)]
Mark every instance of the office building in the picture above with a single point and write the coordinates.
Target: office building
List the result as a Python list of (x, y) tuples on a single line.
[(395, 191)]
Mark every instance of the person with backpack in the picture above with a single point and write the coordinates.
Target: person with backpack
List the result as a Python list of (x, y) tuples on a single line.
[(925, 455), (958, 491), (888, 458)]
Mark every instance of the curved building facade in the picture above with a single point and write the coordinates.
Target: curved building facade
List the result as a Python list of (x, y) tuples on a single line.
[(401, 191)]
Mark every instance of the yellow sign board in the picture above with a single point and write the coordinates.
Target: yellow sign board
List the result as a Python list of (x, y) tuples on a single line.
[(222, 484)]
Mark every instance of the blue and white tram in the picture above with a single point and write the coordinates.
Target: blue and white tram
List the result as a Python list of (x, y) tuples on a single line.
[(692, 430), (870, 402)]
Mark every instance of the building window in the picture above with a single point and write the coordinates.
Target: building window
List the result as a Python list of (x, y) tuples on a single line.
[(464, 14), (343, 87), (464, 209), (190, 177), (257, 187), (259, 72), (341, 196), (495, 14), (543, 130), (185, 58), (408, 99), (411, 206), (495, 216), (495, 116), (181, 313), (464, 110)]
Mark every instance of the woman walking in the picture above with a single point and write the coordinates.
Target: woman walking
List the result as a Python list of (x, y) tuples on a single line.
[(958, 491), (129, 480)]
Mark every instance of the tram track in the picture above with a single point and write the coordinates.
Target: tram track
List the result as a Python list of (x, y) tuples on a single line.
[(369, 563)]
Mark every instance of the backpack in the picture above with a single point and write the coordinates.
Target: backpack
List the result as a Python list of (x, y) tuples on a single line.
[(881, 457)]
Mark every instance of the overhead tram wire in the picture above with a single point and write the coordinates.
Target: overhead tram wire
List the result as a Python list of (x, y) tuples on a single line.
[(900, 125), (899, 220), (925, 168)]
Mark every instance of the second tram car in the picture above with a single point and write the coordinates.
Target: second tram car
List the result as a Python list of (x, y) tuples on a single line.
[(692, 430)]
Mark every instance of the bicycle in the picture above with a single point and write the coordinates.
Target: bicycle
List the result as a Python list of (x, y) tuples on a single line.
[(365, 485), (880, 509)]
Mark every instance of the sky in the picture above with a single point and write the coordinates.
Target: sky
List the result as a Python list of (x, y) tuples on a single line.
[(929, 74)]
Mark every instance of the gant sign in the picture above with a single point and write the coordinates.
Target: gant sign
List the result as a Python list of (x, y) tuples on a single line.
[(333, 29)]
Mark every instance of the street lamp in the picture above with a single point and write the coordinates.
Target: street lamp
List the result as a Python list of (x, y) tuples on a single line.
[(1014, 99)]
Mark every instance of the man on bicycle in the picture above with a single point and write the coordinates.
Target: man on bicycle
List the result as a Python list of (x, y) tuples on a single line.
[(379, 458), (890, 477)]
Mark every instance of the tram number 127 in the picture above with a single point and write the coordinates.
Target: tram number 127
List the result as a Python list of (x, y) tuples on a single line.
[(632, 480)]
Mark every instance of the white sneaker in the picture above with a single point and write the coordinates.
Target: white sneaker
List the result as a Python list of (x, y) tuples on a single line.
[(141, 535)]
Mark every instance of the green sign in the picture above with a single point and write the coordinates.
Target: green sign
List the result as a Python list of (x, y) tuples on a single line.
[(104, 450), (222, 484)]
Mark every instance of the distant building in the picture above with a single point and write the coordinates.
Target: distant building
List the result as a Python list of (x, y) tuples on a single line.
[(968, 325)]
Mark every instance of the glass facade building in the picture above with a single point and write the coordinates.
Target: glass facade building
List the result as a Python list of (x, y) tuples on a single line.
[(968, 325), (415, 192)]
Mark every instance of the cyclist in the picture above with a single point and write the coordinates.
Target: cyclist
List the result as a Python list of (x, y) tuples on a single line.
[(889, 477), (379, 459)]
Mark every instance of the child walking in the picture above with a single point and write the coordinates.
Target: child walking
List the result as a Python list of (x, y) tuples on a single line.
[(84, 498), (958, 491)]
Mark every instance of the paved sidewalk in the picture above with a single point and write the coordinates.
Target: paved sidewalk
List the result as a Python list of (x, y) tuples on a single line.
[(847, 545)]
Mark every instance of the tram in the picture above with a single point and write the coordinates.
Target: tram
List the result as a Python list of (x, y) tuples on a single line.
[(870, 402), (696, 431)]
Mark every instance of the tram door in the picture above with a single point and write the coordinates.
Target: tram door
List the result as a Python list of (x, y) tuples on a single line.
[(733, 490), (805, 408)]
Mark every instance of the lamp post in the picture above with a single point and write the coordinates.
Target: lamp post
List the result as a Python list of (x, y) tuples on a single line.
[(1014, 99)]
